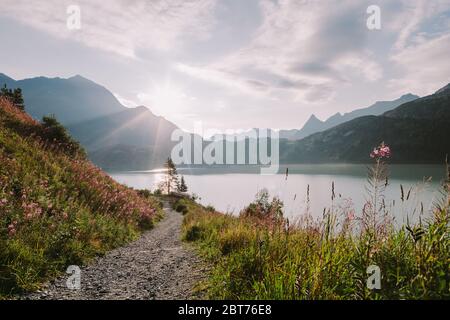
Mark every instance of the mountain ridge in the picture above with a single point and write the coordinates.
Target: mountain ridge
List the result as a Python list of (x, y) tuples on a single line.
[(95, 117), (417, 132), (313, 124)]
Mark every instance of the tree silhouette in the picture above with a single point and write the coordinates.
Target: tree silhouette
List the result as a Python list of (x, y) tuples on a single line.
[(15, 96), (182, 187), (171, 179)]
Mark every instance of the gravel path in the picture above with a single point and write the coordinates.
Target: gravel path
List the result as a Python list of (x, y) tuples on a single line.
[(156, 266)]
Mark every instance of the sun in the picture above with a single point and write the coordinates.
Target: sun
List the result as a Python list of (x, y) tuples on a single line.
[(163, 98)]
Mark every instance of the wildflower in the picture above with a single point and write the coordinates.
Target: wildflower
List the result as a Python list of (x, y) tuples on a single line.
[(12, 228), (382, 151), (351, 215)]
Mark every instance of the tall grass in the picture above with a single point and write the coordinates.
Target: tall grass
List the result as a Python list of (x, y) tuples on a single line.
[(56, 208), (260, 255)]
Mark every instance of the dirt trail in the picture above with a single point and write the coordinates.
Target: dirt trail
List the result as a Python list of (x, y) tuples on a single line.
[(156, 266)]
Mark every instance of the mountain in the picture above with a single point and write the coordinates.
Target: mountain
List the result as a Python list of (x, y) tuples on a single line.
[(99, 121), (314, 125), (137, 126), (417, 132), (71, 100), (134, 138), (4, 79)]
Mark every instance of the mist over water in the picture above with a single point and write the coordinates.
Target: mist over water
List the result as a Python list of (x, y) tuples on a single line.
[(231, 188)]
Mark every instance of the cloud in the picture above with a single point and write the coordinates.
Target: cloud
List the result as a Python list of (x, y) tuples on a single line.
[(425, 66), (301, 48), (407, 19), (120, 26)]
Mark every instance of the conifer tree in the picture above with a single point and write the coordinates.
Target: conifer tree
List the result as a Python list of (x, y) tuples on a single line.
[(182, 187), (171, 179)]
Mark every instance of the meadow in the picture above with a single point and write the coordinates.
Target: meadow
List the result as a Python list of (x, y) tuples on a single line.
[(262, 255), (56, 207)]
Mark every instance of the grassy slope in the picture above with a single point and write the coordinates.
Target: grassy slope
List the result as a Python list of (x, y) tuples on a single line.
[(255, 258), (56, 208)]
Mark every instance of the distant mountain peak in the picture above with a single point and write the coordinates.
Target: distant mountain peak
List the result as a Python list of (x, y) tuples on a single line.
[(408, 96), (80, 79), (312, 124), (77, 76), (314, 118)]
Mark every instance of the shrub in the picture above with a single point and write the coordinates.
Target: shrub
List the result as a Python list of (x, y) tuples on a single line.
[(193, 233), (56, 133)]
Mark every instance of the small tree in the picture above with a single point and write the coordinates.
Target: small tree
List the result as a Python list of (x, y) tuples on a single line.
[(5, 92), (182, 187), (55, 132), (15, 96), (17, 99), (171, 179)]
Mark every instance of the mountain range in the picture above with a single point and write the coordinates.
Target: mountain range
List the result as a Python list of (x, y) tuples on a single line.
[(417, 131), (121, 138), (116, 137), (314, 125)]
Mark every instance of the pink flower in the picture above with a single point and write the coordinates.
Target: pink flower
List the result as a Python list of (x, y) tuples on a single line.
[(382, 151), (351, 215), (12, 229)]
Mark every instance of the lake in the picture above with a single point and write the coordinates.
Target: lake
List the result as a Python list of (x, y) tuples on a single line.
[(230, 188)]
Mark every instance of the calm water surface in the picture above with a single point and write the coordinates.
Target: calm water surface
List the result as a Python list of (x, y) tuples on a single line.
[(229, 189)]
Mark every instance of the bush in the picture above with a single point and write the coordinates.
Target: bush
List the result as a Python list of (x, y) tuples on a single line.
[(181, 206), (56, 133), (193, 233), (145, 193)]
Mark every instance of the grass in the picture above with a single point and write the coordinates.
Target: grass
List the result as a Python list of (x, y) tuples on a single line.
[(57, 208), (259, 255)]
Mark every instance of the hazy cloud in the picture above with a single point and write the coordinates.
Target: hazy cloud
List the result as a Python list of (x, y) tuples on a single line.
[(302, 47), (259, 60), (120, 26)]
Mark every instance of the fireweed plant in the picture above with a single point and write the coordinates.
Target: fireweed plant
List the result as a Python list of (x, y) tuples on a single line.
[(261, 255), (56, 207)]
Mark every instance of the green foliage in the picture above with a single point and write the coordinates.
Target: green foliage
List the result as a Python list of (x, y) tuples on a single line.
[(14, 96), (258, 258), (263, 207), (181, 206), (182, 187), (56, 209), (57, 134)]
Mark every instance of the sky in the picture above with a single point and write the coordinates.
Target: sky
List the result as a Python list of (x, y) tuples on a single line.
[(234, 64)]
